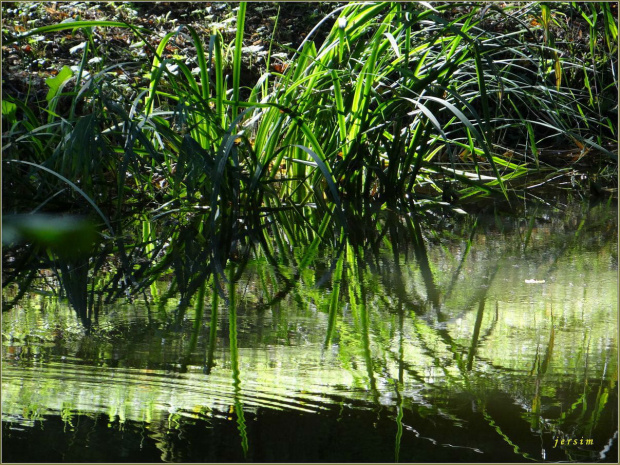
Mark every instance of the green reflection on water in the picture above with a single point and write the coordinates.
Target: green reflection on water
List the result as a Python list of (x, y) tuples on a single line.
[(234, 357), (508, 326)]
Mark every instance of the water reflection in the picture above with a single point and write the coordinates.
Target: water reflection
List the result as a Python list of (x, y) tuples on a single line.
[(493, 340)]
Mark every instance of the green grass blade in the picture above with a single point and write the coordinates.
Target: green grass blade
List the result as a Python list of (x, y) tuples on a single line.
[(71, 26), (237, 64)]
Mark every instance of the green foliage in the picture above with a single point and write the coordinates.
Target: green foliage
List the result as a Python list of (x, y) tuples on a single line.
[(55, 83), (403, 105), (458, 321), (68, 237), (9, 111)]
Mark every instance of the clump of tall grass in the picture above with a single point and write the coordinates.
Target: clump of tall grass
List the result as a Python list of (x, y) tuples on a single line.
[(404, 105), (401, 95)]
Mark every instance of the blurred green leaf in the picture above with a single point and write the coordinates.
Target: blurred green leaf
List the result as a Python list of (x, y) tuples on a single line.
[(8, 110), (66, 236)]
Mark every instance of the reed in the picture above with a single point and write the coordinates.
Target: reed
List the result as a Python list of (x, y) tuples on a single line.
[(403, 106)]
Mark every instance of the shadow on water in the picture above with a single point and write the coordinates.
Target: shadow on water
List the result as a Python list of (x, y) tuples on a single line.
[(490, 339)]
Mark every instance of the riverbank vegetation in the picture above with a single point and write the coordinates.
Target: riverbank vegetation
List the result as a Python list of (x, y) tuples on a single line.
[(230, 226), (180, 154)]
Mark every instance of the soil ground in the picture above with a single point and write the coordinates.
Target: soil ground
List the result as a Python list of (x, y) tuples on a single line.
[(26, 65)]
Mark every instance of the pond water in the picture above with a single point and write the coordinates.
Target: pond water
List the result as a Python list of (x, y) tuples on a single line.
[(492, 340)]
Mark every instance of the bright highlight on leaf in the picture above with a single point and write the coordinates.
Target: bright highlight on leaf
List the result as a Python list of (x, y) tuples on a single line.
[(55, 83)]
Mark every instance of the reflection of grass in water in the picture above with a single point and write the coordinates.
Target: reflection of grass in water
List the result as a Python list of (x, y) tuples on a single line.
[(372, 333), (234, 360), (517, 450), (212, 330), (456, 347), (399, 425), (335, 299), (581, 419)]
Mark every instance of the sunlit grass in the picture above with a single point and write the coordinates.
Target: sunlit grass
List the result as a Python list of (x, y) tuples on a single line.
[(404, 106)]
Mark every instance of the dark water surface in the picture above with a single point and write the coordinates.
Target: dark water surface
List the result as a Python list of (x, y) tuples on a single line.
[(492, 342)]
